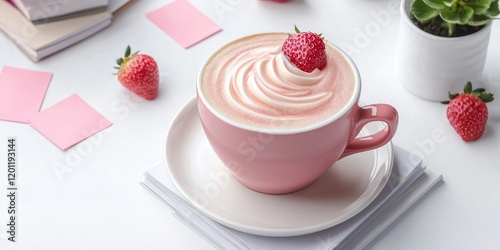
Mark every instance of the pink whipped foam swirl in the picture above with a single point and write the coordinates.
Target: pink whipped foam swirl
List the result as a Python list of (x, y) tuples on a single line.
[(265, 83)]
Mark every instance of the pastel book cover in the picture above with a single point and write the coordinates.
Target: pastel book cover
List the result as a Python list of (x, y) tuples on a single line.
[(47, 11)]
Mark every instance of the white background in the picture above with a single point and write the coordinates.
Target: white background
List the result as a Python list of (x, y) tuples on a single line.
[(97, 203)]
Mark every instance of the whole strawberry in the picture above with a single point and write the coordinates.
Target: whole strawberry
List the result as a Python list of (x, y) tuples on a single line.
[(139, 73), (467, 112), (306, 50)]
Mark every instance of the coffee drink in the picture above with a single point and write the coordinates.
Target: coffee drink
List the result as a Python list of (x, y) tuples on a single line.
[(251, 82), (277, 128)]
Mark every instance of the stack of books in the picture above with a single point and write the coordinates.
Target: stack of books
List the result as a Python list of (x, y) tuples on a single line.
[(42, 28), (408, 182), (47, 11)]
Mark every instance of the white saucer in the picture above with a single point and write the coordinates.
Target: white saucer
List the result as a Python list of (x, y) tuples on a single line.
[(343, 191)]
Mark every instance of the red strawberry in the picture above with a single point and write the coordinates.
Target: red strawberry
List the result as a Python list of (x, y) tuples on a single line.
[(306, 50), (467, 112), (139, 73)]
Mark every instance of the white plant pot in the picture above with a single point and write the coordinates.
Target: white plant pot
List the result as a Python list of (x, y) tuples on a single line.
[(429, 66)]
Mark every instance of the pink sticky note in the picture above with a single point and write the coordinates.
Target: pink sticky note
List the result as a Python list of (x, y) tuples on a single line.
[(69, 122), (21, 93), (183, 22)]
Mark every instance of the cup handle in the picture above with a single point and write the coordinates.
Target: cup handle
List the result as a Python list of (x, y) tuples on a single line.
[(370, 113)]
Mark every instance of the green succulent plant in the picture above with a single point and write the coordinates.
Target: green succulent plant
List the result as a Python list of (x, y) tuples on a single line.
[(449, 13)]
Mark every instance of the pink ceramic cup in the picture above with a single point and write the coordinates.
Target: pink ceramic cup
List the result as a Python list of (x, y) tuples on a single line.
[(282, 161)]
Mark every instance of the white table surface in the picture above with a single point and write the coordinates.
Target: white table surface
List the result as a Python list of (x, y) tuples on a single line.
[(97, 203)]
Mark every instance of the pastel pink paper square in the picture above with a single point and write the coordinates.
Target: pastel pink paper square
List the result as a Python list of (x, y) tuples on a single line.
[(183, 22), (69, 122), (21, 93)]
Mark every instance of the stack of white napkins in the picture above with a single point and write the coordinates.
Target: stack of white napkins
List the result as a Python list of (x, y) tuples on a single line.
[(408, 182)]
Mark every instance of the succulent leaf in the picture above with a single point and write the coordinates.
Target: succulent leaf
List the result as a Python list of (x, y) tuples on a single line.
[(493, 10), (423, 12), (436, 4), (479, 20), (457, 15), (465, 14), (449, 3), (479, 6)]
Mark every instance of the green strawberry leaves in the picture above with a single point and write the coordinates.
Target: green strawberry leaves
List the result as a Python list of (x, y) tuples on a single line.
[(481, 93), (120, 61)]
